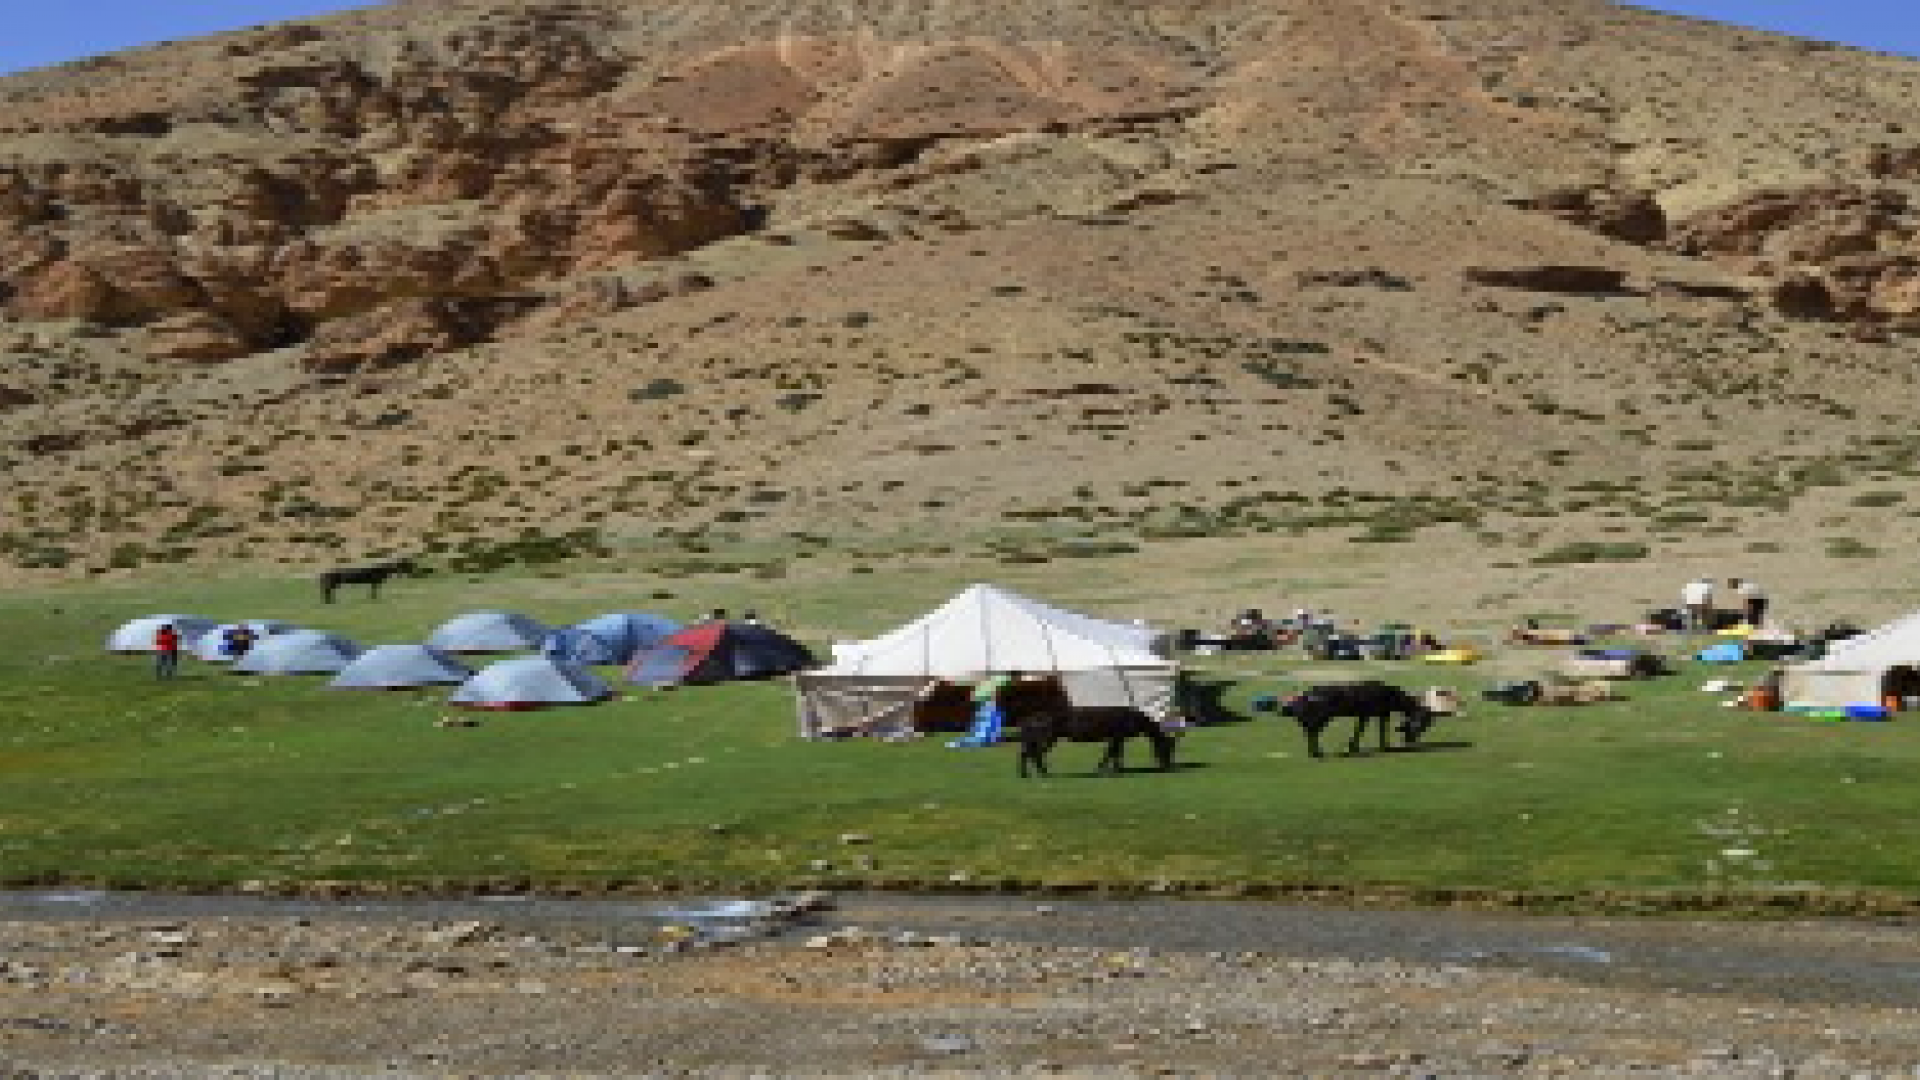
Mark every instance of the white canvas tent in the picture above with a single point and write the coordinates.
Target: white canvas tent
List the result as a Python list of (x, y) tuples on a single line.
[(529, 682), (297, 652), (136, 635), (399, 667), (987, 629), (872, 686), (488, 631), (1857, 671)]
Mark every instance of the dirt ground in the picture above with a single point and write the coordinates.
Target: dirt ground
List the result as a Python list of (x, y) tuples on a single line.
[(933, 987)]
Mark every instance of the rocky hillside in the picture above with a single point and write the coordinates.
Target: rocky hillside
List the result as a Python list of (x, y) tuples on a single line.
[(508, 280)]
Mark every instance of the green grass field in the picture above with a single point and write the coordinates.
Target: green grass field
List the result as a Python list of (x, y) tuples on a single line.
[(109, 776)]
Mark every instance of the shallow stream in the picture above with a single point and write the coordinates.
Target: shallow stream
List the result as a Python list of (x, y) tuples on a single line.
[(1833, 960)]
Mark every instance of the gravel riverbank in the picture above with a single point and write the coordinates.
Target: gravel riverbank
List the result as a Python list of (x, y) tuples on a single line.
[(893, 985)]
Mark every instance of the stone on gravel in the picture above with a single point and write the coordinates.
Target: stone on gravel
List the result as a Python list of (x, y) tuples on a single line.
[(948, 1044)]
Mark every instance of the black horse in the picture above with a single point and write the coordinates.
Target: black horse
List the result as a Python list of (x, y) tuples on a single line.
[(1039, 731), (372, 576), (1371, 702)]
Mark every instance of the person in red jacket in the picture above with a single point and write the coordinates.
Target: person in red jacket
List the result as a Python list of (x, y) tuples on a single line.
[(166, 651)]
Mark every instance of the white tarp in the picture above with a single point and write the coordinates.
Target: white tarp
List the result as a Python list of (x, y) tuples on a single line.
[(884, 705), (1806, 684), (1154, 691), (876, 705), (988, 629)]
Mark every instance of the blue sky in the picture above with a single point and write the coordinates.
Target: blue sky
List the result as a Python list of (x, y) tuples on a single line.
[(38, 32), (1886, 25)]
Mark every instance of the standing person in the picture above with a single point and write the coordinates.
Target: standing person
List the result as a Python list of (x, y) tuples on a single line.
[(1697, 598), (718, 614), (1753, 600), (166, 651), (1315, 640)]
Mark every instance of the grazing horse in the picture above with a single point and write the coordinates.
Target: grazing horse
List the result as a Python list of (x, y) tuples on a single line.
[(1367, 702), (1114, 726), (372, 576)]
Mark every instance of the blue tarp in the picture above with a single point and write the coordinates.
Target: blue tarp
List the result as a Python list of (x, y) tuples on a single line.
[(1727, 652)]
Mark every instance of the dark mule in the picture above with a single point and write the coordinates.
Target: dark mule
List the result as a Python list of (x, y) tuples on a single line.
[(1113, 726), (1367, 702), (372, 576)]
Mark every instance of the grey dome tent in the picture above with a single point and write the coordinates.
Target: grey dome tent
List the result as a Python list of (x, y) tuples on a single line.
[(531, 682), (400, 667), (136, 635), (299, 652), (609, 639), (211, 643), (488, 631)]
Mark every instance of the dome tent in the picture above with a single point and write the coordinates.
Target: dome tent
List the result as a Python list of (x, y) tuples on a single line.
[(712, 652), (487, 632), (136, 635), (298, 652), (609, 639), (400, 667), (576, 646), (209, 646), (531, 682)]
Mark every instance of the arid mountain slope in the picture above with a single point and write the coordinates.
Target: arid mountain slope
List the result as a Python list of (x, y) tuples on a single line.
[(497, 280)]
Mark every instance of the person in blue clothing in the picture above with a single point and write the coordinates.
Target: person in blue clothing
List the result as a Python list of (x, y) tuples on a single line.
[(988, 717), (237, 641)]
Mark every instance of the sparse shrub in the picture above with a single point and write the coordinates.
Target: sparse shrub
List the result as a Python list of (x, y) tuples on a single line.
[(656, 390), (1846, 547), (1590, 551), (1878, 498)]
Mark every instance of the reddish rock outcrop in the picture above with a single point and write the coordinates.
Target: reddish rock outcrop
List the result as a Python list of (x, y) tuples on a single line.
[(1893, 163), (1878, 290), (1803, 296), (1631, 215), (1552, 279), (1796, 224), (408, 330), (195, 335), (494, 155), (595, 296), (1839, 252)]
